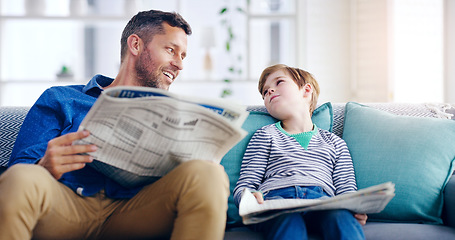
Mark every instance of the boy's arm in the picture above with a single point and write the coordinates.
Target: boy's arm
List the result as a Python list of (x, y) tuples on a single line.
[(343, 173), (345, 179), (253, 165)]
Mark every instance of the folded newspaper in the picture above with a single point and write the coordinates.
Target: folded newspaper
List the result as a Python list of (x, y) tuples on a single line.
[(368, 200), (143, 133)]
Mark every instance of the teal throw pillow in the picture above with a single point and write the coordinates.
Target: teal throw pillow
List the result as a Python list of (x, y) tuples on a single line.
[(415, 153), (232, 161)]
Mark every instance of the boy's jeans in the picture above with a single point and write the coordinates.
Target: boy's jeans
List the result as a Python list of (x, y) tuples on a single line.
[(332, 224)]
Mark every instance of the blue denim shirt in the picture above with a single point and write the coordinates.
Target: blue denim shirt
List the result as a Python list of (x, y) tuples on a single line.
[(58, 111)]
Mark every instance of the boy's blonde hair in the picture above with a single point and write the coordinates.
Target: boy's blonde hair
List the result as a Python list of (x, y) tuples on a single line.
[(300, 77)]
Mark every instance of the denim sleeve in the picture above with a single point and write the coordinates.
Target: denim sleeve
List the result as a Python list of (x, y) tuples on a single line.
[(41, 124)]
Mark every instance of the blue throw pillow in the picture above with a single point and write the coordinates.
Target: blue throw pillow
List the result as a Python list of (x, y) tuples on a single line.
[(415, 153), (232, 161)]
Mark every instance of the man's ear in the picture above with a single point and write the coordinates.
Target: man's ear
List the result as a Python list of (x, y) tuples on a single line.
[(135, 44)]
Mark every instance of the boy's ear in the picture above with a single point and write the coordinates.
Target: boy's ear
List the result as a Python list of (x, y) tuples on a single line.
[(307, 90)]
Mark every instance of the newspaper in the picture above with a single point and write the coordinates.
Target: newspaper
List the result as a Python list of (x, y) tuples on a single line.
[(143, 133), (368, 200)]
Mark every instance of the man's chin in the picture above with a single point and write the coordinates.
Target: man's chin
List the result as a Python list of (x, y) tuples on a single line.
[(161, 83), (167, 81), (164, 86)]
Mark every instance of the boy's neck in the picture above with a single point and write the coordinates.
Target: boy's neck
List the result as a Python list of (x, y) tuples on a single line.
[(297, 125)]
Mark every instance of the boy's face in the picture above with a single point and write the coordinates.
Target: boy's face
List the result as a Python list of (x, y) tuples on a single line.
[(281, 95)]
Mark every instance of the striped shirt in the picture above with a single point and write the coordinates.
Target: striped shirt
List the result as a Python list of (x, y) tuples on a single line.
[(275, 160)]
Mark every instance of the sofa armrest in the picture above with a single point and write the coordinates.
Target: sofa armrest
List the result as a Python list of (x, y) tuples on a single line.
[(449, 202)]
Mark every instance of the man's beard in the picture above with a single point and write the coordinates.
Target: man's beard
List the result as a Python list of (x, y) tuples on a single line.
[(145, 77)]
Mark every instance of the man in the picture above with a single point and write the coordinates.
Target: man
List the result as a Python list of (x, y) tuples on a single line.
[(49, 193)]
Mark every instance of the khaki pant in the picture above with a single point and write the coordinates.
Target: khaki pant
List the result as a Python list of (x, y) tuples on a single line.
[(188, 203)]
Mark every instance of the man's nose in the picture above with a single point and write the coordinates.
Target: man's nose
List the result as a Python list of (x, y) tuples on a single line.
[(177, 62)]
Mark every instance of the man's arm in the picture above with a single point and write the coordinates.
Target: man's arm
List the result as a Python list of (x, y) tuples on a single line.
[(43, 137)]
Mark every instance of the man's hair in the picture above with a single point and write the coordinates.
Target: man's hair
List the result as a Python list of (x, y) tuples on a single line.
[(147, 24), (300, 77)]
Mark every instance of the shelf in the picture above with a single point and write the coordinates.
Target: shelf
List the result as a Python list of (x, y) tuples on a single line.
[(274, 16), (43, 81), (66, 18)]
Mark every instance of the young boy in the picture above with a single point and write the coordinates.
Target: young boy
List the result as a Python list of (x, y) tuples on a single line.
[(293, 158)]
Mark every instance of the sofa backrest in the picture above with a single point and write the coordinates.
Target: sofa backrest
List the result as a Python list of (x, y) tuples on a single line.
[(11, 119), (404, 109)]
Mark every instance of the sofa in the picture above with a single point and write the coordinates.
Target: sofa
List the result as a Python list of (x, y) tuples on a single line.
[(411, 145)]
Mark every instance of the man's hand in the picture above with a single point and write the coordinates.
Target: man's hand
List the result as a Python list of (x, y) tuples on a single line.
[(61, 156), (362, 218)]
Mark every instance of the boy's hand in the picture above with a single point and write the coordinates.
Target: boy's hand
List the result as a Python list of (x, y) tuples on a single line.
[(259, 197), (362, 218)]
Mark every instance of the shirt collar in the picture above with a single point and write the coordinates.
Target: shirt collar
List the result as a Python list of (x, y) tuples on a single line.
[(96, 84)]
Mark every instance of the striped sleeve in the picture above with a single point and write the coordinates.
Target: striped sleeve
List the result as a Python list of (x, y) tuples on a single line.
[(254, 163), (343, 173)]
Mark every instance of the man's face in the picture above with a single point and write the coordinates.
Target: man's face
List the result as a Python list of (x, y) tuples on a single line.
[(161, 61)]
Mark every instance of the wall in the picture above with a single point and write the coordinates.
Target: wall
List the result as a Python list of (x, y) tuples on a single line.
[(350, 46), (327, 50), (449, 78)]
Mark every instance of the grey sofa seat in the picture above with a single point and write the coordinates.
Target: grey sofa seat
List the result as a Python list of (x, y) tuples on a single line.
[(386, 231)]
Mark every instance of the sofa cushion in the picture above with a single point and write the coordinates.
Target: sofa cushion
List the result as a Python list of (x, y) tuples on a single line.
[(415, 153), (322, 117)]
